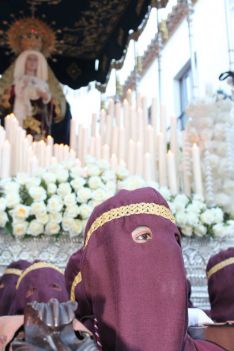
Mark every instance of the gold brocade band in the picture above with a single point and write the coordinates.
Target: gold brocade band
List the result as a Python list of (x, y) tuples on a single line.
[(76, 281), (13, 271), (219, 266), (35, 266), (128, 210)]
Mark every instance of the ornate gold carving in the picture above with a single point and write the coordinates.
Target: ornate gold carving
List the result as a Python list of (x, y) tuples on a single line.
[(35, 266), (76, 281), (219, 266), (31, 33), (128, 210), (33, 124)]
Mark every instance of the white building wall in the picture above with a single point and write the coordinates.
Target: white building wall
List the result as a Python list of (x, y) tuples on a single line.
[(210, 44)]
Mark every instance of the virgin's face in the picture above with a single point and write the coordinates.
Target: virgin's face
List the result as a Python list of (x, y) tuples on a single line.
[(31, 64)]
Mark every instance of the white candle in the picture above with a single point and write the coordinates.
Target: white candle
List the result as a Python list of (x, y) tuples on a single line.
[(139, 158), (129, 96), (198, 188), (131, 156), (5, 158), (114, 162), (171, 171), (106, 152), (122, 144), (94, 125), (186, 165), (162, 159), (72, 134), (148, 167), (173, 135)]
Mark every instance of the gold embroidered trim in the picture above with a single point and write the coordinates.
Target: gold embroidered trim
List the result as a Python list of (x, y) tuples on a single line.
[(13, 271), (35, 266), (128, 210), (76, 281), (219, 266)]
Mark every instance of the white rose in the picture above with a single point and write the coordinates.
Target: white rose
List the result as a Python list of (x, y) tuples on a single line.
[(95, 182), (108, 175), (72, 211), (186, 231), (103, 164), (38, 208), (42, 218), (192, 219), (76, 227), (77, 183), (52, 228), (64, 189), (67, 223), (77, 172), (22, 178), (12, 199), (55, 217), (11, 187), (196, 206), (85, 211), (208, 217), (69, 200), (111, 187), (49, 177), (33, 181), (180, 202), (3, 219), (3, 204), (165, 192), (180, 218), (93, 170), (37, 193), (19, 228), (51, 188), (84, 194), (35, 228), (122, 173), (62, 175), (132, 183), (21, 211), (100, 195), (200, 230), (55, 204)]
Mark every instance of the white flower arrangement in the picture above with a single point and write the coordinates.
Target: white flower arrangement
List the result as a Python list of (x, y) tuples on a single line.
[(59, 201)]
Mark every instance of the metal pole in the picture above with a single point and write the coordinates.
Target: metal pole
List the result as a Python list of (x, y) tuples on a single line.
[(195, 88)]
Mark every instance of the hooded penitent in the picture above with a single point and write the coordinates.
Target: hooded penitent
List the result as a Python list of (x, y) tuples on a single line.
[(131, 275), (8, 284), (39, 282), (220, 275)]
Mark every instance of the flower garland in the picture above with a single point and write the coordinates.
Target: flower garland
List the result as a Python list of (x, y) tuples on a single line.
[(59, 201)]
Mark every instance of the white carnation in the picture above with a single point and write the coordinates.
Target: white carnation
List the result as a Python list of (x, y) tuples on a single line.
[(208, 217), (35, 228), (180, 202), (108, 175), (11, 187), (165, 192), (100, 195)]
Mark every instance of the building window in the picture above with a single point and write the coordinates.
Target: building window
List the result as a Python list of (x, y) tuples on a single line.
[(184, 84)]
